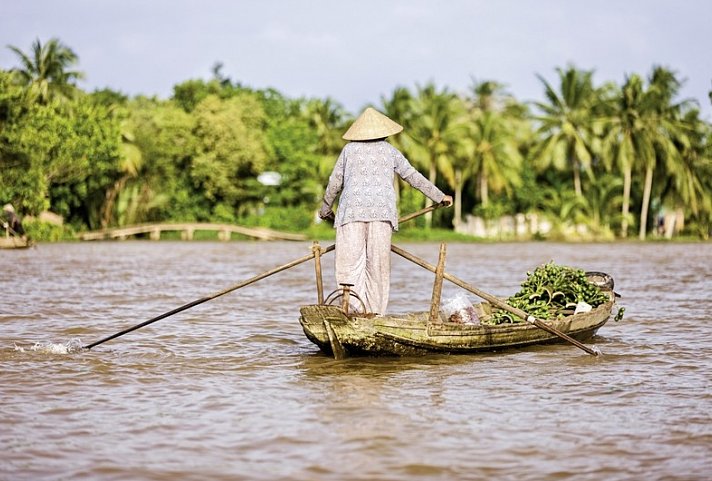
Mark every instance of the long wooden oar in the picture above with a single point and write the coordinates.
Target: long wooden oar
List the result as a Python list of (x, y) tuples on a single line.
[(249, 281), (493, 300)]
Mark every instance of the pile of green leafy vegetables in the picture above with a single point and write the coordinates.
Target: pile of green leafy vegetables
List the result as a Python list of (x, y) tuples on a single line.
[(551, 291)]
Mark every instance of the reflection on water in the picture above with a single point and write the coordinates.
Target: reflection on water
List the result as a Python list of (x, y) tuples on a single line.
[(231, 389)]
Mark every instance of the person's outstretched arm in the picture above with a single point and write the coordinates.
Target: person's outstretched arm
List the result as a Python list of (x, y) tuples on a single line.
[(411, 175)]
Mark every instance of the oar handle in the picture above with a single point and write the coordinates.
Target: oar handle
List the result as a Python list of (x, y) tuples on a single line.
[(413, 215)]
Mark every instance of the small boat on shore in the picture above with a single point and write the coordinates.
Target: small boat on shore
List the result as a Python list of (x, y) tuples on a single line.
[(12, 242), (411, 334)]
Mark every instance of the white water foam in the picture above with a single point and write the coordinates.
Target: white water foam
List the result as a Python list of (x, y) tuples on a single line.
[(73, 345)]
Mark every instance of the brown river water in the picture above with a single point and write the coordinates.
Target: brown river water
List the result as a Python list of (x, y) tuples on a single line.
[(231, 389)]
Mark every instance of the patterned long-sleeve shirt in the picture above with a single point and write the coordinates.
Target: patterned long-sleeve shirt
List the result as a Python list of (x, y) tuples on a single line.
[(364, 174)]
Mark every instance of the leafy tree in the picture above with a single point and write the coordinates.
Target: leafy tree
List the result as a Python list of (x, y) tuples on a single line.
[(163, 190), (54, 156), (86, 164), (293, 152), (230, 149), (190, 93), (130, 164)]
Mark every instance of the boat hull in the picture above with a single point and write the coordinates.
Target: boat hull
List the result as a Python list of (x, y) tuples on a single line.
[(14, 243), (411, 334)]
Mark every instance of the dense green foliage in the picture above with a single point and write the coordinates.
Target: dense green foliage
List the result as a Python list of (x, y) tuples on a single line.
[(548, 292), (606, 157)]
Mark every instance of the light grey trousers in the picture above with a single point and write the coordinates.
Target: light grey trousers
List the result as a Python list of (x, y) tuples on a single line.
[(363, 258)]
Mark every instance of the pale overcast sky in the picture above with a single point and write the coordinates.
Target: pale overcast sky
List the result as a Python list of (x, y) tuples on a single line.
[(357, 51)]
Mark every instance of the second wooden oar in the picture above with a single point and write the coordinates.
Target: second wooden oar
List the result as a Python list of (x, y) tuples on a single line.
[(493, 300)]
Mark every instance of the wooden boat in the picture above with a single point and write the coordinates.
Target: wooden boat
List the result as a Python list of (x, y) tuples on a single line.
[(411, 334), (12, 242), (337, 331)]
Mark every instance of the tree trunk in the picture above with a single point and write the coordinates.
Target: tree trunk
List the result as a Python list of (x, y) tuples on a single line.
[(457, 220), (646, 202), (107, 210), (626, 202), (484, 193), (577, 178)]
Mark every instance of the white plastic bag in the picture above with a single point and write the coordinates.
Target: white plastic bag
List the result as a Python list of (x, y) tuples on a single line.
[(583, 307), (459, 309)]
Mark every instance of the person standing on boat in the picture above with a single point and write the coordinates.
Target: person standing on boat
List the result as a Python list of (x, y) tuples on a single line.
[(11, 222), (364, 174)]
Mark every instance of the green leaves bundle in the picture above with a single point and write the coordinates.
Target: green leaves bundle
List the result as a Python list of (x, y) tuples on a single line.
[(549, 291)]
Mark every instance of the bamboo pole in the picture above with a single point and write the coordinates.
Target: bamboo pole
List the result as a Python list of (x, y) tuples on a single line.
[(413, 215), (437, 286), (196, 302), (493, 300), (316, 250)]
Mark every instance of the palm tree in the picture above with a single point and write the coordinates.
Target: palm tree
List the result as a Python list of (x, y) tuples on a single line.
[(497, 160), (459, 166), (640, 134), (603, 200), (563, 205), (327, 119), (672, 132), (566, 124), (398, 108), (684, 189), (630, 137), (130, 164), (430, 136), (44, 71)]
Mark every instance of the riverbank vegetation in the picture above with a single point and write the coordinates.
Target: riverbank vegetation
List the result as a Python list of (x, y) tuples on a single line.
[(616, 159)]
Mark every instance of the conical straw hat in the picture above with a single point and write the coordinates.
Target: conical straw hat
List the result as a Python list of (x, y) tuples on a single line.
[(372, 124)]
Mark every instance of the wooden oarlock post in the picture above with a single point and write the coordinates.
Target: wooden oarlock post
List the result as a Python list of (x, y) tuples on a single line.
[(316, 249), (346, 299), (437, 287)]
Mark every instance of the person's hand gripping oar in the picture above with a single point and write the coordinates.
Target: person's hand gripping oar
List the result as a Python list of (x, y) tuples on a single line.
[(247, 282)]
